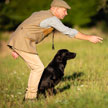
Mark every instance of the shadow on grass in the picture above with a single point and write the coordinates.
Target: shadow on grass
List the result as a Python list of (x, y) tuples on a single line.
[(73, 77)]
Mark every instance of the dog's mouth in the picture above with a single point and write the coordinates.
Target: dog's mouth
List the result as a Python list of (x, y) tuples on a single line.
[(71, 56)]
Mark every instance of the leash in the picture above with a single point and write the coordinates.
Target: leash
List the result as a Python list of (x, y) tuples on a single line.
[(53, 41)]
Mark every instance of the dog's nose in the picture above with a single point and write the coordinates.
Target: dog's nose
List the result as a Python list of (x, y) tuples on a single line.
[(74, 54)]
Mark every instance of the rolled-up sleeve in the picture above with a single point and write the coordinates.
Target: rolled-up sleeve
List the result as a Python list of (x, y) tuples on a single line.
[(58, 25)]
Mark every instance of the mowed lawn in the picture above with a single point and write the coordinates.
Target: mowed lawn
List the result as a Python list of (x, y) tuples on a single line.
[(84, 85)]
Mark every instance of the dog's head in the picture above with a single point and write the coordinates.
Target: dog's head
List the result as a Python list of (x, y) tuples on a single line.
[(64, 55)]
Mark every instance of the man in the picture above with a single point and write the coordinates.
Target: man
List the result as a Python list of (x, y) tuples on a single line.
[(32, 31)]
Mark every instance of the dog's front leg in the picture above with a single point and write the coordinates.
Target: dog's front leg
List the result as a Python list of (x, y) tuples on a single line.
[(50, 91)]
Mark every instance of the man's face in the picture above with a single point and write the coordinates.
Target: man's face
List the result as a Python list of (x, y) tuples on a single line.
[(60, 12)]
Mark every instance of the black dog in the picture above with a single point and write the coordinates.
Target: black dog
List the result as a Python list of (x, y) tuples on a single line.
[(54, 72)]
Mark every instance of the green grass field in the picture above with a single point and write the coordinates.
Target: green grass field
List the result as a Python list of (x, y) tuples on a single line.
[(85, 83)]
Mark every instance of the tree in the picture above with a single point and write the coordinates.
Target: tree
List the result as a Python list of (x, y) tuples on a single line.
[(82, 11), (13, 12)]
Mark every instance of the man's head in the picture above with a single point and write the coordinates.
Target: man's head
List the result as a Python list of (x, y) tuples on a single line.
[(59, 8), (59, 12)]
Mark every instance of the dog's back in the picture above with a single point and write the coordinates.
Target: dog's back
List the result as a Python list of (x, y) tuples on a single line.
[(54, 72)]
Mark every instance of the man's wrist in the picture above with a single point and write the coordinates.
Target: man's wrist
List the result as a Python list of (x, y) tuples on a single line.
[(82, 36)]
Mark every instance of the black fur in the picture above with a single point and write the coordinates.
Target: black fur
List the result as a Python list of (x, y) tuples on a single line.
[(54, 72)]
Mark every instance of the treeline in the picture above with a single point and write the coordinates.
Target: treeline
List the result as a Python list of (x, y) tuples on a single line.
[(84, 13)]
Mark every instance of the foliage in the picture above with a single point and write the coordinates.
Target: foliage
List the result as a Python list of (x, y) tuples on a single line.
[(14, 12), (82, 10)]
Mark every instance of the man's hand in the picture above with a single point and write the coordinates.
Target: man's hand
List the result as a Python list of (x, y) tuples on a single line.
[(91, 38), (15, 55), (95, 39)]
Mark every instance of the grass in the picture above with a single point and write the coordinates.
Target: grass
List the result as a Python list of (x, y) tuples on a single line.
[(85, 84)]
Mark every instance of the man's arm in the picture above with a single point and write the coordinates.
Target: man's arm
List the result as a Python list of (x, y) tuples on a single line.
[(58, 25), (91, 38)]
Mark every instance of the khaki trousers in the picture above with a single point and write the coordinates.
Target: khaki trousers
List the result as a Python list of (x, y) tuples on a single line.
[(36, 66)]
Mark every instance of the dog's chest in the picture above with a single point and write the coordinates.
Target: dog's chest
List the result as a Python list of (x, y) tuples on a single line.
[(61, 67)]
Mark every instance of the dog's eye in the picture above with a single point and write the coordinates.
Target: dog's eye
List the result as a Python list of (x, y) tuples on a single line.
[(63, 54)]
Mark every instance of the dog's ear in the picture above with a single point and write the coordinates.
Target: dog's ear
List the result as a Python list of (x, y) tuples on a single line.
[(58, 59)]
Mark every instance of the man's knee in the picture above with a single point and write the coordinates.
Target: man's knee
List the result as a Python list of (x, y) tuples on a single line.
[(42, 67), (39, 67)]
